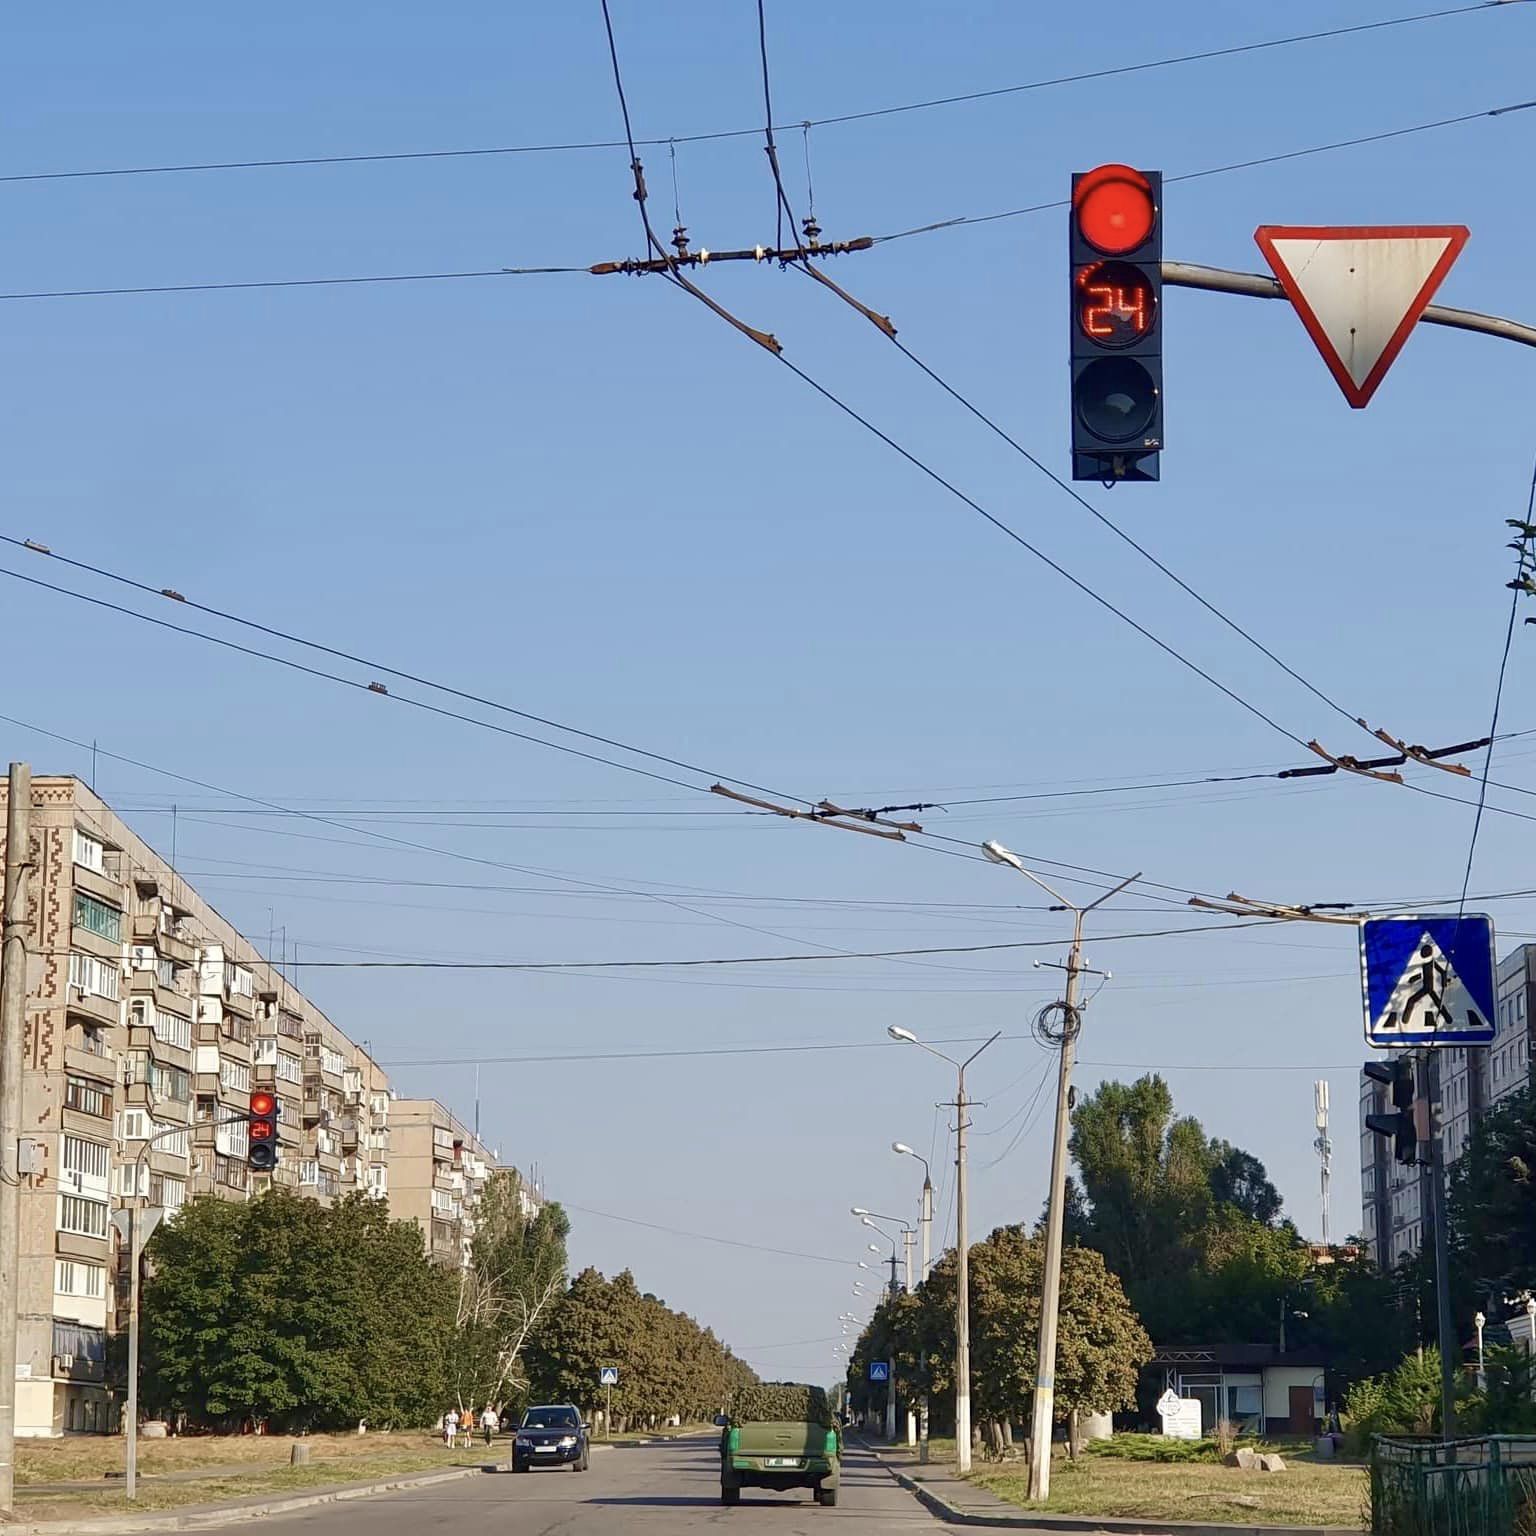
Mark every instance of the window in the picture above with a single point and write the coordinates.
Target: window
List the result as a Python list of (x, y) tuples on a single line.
[(135, 1125), (72, 1278), (93, 1038), (85, 1157), (96, 978), (88, 1097), (289, 1068), (231, 1171), (170, 1082), (87, 1218), (167, 1191), (98, 918), (172, 1029), (238, 981), (309, 1171), (132, 1180), (165, 972), (88, 851), (234, 1076), (331, 1061), (234, 1139)]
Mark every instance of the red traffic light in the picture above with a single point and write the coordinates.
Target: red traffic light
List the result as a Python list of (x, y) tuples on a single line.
[(263, 1104), (1114, 207)]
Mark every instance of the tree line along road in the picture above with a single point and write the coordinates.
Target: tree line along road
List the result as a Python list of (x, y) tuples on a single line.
[(668, 1486)]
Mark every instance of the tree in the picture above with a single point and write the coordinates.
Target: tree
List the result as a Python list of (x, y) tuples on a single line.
[(1493, 1200), (286, 1311), (515, 1274), (1240, 1180), (1101, 1345)]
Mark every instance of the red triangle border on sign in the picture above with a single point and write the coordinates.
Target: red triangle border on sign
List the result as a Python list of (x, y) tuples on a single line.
[(1359, 395)]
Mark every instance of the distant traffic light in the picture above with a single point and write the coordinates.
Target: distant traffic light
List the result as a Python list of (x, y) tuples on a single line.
[(1116, 246), (262, 1151), (1400, 1125)]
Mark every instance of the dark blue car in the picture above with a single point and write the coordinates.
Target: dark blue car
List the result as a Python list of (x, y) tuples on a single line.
[(551, 1436)]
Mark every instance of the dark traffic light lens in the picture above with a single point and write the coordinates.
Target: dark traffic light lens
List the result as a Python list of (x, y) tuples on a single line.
[(1115, 399), (1116, 303), (263, 1156)]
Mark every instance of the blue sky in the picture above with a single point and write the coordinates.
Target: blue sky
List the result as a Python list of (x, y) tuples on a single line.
[(589, 498)]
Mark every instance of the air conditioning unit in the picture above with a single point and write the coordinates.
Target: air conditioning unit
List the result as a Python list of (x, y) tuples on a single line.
[(66, 1362)]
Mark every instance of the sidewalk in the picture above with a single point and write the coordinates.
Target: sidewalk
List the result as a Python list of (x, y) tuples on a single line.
[(961, 1502)]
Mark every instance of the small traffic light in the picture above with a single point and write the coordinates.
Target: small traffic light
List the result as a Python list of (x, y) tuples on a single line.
[(1400, 1125), (262, 1151), (1116, 247)]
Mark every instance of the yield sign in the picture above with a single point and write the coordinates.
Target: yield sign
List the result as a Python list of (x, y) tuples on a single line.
[(1360, 289)]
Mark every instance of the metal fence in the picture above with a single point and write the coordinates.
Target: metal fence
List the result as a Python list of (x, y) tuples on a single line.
[(1484, 1485)]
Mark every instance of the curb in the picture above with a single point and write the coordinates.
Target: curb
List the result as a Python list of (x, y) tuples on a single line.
[(208, 1519), (1109, 1525)]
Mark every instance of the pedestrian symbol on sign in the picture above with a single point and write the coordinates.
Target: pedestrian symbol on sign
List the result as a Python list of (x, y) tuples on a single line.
[(879, 1370), (608, 1376)]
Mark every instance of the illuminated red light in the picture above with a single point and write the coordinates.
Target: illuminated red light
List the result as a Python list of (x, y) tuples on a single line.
[(1114, 208), (265, 1105)]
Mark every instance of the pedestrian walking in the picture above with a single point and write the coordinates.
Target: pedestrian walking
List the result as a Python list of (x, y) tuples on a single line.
[(450, 1427), (490, 1422)]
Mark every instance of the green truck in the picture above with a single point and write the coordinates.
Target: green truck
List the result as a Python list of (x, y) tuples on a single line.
[(779, 1435)]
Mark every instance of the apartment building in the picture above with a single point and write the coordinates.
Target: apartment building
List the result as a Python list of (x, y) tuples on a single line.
[(1394, 1199), (438, 1169), (149, 1019)]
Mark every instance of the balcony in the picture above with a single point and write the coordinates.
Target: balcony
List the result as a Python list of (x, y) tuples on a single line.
[(349, 1133), (100, 1064), (89, 1005), (174, 946), (76, 1368)]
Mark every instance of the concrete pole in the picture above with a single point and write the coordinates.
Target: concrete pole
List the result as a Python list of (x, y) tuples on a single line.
[(1050, 1301), (13, 1022), (925, 1222), (890, 1364), (962, 1292), (131, 1428), (1450, 1347)]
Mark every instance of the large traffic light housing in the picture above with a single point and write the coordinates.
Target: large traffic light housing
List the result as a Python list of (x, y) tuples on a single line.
[(262, 1151), (1400, 1125), (1116, 246)]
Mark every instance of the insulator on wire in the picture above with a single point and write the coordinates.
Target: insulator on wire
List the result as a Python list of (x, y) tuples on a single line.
[(680, 239), (812, 230)]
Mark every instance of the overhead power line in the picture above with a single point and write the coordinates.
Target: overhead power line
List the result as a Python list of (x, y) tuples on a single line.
[(992, 93), (708, 1237), (964, 220), (819, 955), (957, 222)]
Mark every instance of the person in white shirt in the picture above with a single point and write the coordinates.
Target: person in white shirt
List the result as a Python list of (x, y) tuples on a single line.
[(490, 1422), (450, 1426)]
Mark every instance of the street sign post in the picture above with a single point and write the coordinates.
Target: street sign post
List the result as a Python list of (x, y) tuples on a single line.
[(1360, 289), (608, 1379), (1428, 980)]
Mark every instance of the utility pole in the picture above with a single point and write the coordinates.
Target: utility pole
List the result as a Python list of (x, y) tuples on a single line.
[(1050, 1299), (890, 1364), (962, 1242), (13, 1015), (1449, 1346)]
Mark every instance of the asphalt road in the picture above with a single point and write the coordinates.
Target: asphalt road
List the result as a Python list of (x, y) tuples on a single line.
[(658, 1489)]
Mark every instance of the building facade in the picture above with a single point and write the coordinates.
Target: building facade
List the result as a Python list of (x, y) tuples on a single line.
[(149, 1020), (1394, 1199), (438, 1169)]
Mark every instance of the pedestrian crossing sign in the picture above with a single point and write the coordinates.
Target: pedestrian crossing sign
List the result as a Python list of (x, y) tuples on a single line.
[(608, 1376), (1428, 980), (879, 1370)]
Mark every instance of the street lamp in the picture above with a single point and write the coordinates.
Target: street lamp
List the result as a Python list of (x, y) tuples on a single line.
[(962, 1247), (1050, 1300), (925, 1207), (1478, 1321)]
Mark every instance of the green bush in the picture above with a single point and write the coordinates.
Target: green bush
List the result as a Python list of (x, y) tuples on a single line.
[(774, 1402), (1153, 1448), (1405, 1401)]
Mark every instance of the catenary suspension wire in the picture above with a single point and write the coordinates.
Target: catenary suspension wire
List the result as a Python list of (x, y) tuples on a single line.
[(963, 220), (1079, 77), (411, 677), (1522, 575), (709, 1237)]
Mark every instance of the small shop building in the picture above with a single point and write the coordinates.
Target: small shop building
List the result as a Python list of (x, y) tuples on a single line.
[(1254, 1387)]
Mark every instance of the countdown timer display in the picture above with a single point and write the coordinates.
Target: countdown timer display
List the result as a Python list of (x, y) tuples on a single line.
[(1116, 303)]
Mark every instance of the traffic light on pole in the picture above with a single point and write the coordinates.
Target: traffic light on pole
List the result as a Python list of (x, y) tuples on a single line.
[(1116, 246), (262, 1151), (1400, 1124)]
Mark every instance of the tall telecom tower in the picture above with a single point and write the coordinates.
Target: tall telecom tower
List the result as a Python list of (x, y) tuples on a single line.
[(1323, 1146)]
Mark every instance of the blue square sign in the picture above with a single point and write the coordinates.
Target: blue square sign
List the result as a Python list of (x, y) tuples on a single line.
[(879, 1370), (1428, 980)]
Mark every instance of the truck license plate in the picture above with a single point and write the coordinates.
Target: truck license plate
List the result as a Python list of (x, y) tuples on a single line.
[(782, 1461)]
